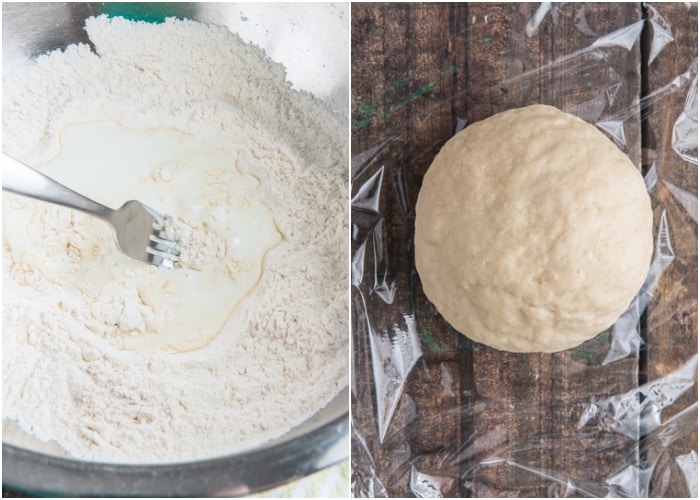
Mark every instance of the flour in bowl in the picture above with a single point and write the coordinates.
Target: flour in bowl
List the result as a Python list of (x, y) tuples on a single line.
[(119, 361)]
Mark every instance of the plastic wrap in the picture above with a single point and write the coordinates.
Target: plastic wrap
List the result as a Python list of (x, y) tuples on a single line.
[(435, 414)]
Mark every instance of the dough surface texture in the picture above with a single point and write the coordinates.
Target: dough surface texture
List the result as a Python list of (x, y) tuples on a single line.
[(533, 231)]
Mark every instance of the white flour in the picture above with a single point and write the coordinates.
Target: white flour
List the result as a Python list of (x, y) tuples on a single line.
[(199, 245), (281, 356)]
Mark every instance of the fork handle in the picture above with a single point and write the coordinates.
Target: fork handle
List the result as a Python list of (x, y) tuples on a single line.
[(21, 179)]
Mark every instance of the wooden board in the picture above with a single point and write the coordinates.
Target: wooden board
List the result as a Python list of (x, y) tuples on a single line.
[(671, 323), (417, 69)]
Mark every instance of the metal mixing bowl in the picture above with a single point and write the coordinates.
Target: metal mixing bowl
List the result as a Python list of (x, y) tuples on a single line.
[(308, 40)]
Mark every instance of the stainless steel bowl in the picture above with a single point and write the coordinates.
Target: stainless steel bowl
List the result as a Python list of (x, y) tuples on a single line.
[(318, 443), (312, 41)]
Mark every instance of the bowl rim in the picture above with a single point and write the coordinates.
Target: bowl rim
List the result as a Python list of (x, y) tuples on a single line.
[(237, 474)]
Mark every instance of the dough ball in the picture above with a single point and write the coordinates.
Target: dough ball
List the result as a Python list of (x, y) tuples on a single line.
[(533, 231)]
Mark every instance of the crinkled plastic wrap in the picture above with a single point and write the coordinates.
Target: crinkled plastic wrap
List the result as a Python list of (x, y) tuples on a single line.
[(435, 414)]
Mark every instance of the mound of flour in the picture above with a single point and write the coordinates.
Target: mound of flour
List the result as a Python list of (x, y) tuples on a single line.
[(282, 355)]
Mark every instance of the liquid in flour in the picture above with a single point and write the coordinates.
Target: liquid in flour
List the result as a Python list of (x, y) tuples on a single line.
[(283, 353), (223, 227)]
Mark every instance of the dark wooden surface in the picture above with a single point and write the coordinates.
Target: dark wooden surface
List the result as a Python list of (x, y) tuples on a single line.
[(416, 70), (672, 320)]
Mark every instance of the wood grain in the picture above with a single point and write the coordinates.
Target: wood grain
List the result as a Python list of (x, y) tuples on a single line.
[(403, 96), (672, 318)]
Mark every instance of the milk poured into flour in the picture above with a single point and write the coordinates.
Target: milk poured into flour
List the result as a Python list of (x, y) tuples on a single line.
[(223, 228)]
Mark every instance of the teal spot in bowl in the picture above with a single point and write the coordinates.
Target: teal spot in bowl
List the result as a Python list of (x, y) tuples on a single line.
[(150, 12)]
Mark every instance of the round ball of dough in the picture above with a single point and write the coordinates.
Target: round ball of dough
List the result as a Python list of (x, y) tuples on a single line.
[(533, 231)]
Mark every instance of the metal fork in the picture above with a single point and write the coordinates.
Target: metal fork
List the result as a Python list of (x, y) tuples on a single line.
[(138, 228)]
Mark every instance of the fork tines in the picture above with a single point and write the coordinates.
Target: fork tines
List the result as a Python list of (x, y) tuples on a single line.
[(163, 252)]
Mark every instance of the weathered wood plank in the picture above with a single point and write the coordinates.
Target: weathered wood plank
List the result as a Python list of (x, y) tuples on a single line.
[(672, 317), (404, 75)]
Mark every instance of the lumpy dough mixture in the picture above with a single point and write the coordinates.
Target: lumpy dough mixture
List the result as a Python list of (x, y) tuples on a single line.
[(115, 360), (533, 231)]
